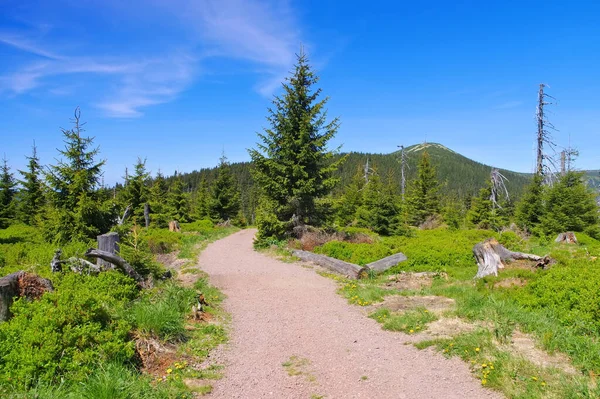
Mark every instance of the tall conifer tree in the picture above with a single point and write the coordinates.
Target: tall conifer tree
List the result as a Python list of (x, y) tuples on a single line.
[(424, 199), (7, 194), (225, 201), (32, 195), (292, 163)]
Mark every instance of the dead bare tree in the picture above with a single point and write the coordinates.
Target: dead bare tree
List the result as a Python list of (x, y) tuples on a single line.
[(546, 148), (403, 166), (498, 180), (367, 171)]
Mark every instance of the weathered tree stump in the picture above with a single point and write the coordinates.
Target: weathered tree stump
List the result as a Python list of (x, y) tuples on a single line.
[(174, 226), (382, 265), (566, 238), (349, 270), (117, 261), (490, 255), (108, 242), (20, 284)]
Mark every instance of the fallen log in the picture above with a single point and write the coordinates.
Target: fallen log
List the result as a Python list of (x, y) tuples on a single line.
[(117, 261), (382, 265), (20, 284), (490, 255), (349, 270), (566, 238)]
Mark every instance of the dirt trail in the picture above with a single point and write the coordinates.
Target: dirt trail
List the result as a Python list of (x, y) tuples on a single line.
[(286, 314)]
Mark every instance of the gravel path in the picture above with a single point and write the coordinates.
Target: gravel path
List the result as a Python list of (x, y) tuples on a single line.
[(284, 313)]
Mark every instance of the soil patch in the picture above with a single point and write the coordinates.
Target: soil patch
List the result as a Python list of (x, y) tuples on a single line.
[(413, 281), (510, 282), (399, 303), (522, 344)]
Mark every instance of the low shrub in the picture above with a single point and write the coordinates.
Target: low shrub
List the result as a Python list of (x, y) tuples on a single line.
[(199, 226), (66, 332)]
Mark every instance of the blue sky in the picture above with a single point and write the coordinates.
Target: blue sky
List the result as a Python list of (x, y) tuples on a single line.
[(178, 81)]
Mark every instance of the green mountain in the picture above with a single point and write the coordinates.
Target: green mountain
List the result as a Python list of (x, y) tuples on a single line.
[(460, 176)]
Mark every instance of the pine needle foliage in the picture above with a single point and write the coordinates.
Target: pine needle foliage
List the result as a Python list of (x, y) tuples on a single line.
[(292, 163), (73, 182), (8, 190), (424, 197), (32, 194), (225, 201)]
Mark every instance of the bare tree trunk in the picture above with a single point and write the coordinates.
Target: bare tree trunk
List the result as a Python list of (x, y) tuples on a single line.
[(117, 261), (108, 243), (147, 214), (490, 255)]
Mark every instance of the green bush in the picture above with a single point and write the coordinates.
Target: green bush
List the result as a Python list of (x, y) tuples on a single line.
[(66, 332), (161, 241), (199, 226)]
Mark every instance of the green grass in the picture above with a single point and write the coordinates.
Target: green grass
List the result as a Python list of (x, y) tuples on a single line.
[(411, 321)]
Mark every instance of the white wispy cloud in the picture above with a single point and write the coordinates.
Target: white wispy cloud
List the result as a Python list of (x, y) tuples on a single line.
[(261, 33)]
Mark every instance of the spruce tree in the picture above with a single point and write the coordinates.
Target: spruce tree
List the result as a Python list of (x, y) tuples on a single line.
[(530, 209), (73, 182), (570, 206), (32, 194), (352, 199), (424, 200), (225, 199), (135, 193), (379, 210), (158, 198), (7, 194), (292, 163), (481, 213), (177, 203), (202, 200)]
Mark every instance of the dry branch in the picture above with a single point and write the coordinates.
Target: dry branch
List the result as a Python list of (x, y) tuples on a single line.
[(117, 261)]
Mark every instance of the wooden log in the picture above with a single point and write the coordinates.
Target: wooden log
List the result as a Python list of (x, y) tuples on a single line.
[(349, 270), (20, 284), (566, 238), (382, 265), (108, 242), (491, 255), (117, 261), (147, 214)]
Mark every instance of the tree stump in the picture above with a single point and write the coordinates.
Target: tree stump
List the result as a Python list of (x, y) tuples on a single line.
[(174, 226), (566, 238), (108, 243), (20, 284), (490, 255)]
